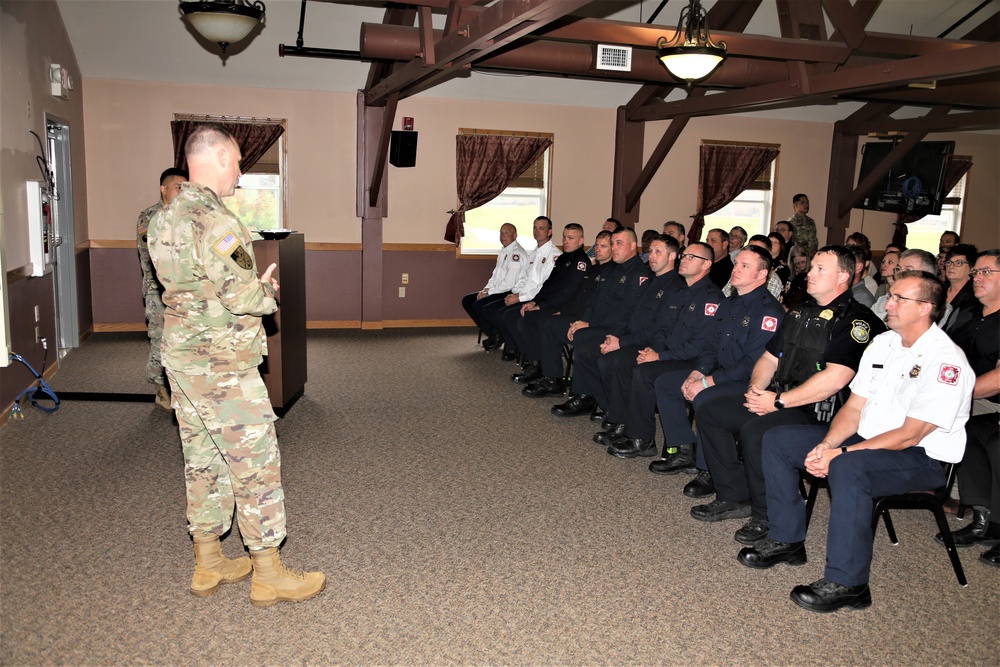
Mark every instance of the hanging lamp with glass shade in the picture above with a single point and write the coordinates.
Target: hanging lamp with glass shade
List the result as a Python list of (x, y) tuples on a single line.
[(221, 21), (691, 55)]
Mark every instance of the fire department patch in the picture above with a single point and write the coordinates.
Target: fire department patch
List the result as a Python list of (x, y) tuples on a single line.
[(860, 330), (581, 266), (769, 324), (515, 257), (949, 374), (643, 279), (711, 308)]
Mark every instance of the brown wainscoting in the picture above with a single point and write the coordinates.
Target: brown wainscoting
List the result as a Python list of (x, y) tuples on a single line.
[(333, 324), (20, 273), (114, 243), (407, 324)]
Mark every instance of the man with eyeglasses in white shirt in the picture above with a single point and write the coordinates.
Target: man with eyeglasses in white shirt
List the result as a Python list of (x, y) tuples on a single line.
[(912, 260)]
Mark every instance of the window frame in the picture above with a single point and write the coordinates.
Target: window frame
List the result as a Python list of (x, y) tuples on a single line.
[(770, 203), (548, 156)]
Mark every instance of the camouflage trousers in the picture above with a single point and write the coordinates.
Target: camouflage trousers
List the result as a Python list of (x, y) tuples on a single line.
[(154, 329), (231, 458)]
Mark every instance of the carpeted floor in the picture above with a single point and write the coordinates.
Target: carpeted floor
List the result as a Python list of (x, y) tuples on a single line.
[(457, 523)]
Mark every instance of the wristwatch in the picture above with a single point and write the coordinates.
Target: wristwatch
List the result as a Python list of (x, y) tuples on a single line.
[(843, 449), (778, 403)]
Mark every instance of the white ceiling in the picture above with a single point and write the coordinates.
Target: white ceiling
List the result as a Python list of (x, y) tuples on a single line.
[(147, 40)]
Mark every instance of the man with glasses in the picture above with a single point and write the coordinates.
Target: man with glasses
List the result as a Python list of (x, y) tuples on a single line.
[(912, 260), (737, 241), (798, 380), (977, 332), (906, 416)]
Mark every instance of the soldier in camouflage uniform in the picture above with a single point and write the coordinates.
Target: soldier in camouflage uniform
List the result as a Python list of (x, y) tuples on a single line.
[(170, 185), (213, 342), (805, 227)]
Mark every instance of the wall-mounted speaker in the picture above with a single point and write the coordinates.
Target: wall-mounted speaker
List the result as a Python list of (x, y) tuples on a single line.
[(403, 149)]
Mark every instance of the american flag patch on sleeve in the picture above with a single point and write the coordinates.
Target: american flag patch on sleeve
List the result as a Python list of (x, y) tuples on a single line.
[(224, 245)]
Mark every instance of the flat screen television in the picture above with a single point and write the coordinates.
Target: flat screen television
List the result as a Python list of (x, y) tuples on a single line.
[(914, 185)]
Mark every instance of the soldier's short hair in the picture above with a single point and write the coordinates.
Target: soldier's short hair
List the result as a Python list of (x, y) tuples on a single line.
[(796, 198), (170, 173), (927, 261), (575, 226), (204, 137)]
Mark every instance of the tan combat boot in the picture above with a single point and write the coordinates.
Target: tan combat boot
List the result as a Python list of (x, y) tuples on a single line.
[(273, 582), (211, 568), (163, 398)]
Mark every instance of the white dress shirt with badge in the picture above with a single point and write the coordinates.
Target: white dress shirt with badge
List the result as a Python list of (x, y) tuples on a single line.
[(509, 263), (930, 381), (541, 262)]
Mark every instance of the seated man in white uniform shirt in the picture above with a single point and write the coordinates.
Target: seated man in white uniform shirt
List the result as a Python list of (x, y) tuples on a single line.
[(906, 416)]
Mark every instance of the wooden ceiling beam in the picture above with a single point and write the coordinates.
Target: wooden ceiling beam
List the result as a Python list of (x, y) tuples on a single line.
[(973, 121), (493, 28), (850, 27)]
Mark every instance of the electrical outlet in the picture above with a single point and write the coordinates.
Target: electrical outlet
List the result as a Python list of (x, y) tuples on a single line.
[(402, 292), (406, 278), (38, 315)]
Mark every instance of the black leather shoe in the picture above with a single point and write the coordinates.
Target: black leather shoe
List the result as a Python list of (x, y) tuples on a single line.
[(720, 510), (492, 343), (529, 374), (614, 433), (991, 556), (598, 415), (980, 531), (673, 463), (753, 532), (701, 486), (578, 404), (632, 447), (825, 596), (770, 552), (508, 355), (544, 387)]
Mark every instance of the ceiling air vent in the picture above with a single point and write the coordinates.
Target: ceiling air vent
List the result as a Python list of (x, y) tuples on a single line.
[(618, 58)]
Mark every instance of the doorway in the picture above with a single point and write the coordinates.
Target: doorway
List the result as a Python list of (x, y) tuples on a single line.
[(60, 163)]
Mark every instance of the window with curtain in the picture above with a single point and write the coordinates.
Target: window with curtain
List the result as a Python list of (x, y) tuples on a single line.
[(259, 201), (523, 200), (753, 208)]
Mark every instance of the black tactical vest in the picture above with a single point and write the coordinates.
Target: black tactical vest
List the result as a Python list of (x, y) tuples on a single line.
[(809, 331)]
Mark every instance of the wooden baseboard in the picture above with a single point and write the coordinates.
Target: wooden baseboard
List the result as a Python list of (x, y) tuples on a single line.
[(333, 324), (407, 324), (119, 326)]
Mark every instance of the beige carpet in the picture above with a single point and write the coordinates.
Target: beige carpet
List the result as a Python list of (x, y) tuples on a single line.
[(457, 523)]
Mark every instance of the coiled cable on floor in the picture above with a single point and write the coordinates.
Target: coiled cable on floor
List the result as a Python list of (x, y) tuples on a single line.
[(32, 392)]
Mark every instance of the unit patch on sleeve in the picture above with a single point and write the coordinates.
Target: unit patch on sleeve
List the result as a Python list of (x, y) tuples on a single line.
[(949, 374), (860, 330), (581, 266), (643, 279), (769, 323), (711, 308)]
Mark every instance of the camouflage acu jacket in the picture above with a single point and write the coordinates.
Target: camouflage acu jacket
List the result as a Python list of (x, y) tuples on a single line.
[(213, 297), (150, 285)]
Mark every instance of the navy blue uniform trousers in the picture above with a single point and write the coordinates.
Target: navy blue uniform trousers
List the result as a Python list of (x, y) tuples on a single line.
[(856, 478)]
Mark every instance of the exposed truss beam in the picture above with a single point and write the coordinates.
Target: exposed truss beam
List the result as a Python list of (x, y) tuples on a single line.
[(856, 80), (973, 121), (494, 28), (850, 27)]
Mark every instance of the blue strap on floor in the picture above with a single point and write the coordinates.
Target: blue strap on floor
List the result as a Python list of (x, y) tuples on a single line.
[(42, 387)]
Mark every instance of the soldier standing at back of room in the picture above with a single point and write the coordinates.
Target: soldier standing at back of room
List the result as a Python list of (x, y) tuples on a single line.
[(213, 342), (170, 185)]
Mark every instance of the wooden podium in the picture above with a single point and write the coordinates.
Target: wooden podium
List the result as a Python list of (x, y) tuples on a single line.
[(284, 368)]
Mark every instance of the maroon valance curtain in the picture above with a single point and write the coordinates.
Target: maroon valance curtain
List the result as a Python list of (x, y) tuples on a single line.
[(484, 166), (723, 173), (953, 173), (254, 137)]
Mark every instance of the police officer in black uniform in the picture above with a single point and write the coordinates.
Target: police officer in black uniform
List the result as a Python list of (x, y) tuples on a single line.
[(612, 302), (567, 275), (747, 320), (684, 328), (799, 379)]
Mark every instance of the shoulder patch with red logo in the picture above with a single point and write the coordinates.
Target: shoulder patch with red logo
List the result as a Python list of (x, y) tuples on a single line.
[(515, 257), (581, 266), (949, 374), (643, 279), (711, 308), (769, 323)]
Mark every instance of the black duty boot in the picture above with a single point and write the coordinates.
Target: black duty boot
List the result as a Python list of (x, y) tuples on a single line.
[(544, 387), (679, 460), (701, 486), (531, 372), (632, 447), (578, 404), (614, 433)]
